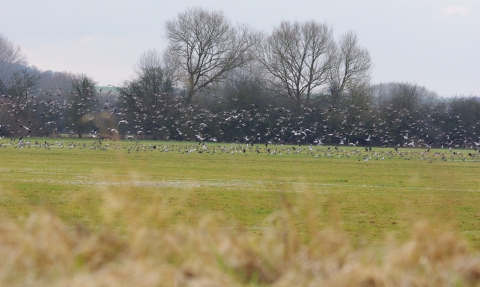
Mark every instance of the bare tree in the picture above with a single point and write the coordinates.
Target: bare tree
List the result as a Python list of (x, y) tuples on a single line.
[(152, 68), (352, 66), (16, 80), (357, 102), (147, 97), (401, 96), (205, 45), (50, 102), (11, 58), (22, 83), (81, 103), (150, 59), (11, 53), (298, 57)]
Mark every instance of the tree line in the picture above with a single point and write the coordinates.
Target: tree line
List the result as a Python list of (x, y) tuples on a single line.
[(222, 82)]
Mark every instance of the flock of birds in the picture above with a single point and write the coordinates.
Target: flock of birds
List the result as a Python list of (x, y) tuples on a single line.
[(335, 127), (240, 149), (364, 133)]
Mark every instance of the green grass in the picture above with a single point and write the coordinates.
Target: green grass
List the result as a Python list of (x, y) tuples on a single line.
[(368, 199)]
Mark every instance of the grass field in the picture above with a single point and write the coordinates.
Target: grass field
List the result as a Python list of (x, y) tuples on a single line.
[(367, 196)]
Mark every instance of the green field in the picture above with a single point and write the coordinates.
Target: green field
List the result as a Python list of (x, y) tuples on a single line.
[(350, 188)]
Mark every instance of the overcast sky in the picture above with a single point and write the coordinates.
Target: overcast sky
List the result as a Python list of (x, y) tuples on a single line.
[(433, 43)]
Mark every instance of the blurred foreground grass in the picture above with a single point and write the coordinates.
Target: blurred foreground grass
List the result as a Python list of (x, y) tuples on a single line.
[(86, 216), (150, 250)]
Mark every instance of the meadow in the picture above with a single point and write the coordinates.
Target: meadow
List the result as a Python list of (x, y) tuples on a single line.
[(276, 200)]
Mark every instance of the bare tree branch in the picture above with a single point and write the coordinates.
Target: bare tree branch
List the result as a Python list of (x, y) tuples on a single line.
[(81, 102), (352, 66), (298, 57), (11, 59), (21, 84), (204, 46)]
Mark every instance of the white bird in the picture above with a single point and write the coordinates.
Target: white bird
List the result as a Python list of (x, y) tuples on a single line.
[(318, 142), (234, 117), (353, 144), (200, 137)]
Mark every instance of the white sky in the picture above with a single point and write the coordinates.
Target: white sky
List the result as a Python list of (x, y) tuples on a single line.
[(433, 43)]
